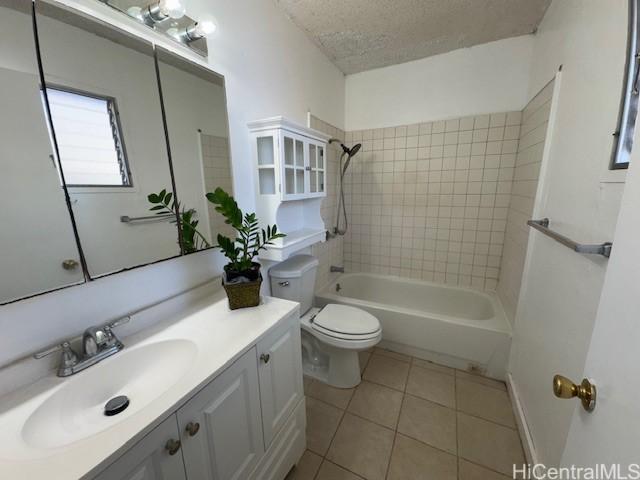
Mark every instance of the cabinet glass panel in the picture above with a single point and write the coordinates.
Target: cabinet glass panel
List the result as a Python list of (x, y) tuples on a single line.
[(299, 153), (320, 157), (267, 179), (288, 151), (299, 181), (312, 156), (314, 181), (265, 150), (289, 181), (320, 181)]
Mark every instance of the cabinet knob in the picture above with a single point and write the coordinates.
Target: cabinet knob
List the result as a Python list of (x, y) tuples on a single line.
[(172, 446), (265, 357), (192, 428)]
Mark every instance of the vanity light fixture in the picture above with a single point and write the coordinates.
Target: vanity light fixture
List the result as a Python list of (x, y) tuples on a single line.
[(193, 32), (163, 9), (168, 17)]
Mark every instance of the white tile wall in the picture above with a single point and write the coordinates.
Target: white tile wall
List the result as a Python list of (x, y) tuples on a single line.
[(535, 119), (330, 252), (431, 200), (217, 173)]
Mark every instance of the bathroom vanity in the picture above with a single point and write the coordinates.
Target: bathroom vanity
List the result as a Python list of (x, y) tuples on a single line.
[(214, 394)]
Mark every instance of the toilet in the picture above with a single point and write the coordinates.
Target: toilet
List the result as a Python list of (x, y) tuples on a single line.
[(331, 336)]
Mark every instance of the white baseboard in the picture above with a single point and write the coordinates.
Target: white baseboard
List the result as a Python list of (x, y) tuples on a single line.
[(521, 420)]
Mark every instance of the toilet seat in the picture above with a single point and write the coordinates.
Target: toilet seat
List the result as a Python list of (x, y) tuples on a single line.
[(346, 323)]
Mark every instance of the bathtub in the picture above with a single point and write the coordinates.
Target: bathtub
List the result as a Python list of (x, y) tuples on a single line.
[(455, 326)]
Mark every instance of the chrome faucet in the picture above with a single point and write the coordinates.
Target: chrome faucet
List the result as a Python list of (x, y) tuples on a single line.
[(98, 343)]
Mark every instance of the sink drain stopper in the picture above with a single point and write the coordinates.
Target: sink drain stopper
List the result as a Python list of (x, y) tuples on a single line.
[(116, 405)]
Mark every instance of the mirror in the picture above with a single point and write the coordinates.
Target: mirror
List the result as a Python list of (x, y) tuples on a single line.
[(107, 120), (196, 115), (38, 245)]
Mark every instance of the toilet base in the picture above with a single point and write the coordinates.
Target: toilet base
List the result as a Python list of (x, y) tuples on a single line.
[(337, 367)]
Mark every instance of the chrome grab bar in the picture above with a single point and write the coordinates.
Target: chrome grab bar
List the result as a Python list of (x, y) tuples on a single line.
[(603, 249), (149, 218)]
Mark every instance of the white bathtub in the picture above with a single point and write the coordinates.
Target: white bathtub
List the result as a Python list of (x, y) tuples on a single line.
[(455, 326)]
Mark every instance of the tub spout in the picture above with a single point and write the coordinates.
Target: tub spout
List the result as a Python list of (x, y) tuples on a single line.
[(334, 269)]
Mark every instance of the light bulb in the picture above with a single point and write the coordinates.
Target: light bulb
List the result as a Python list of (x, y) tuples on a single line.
[(135, 12), (172, 8), (205, 28)]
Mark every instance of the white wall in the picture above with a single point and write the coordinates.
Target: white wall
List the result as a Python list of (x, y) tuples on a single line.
[(271, 68), (488, 78), (561, 289)]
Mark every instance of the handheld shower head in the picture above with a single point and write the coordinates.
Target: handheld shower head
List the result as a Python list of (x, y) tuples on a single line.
[(351, 151)]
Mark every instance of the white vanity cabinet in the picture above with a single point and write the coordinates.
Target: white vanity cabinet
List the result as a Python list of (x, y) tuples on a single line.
[(280, 378), (247, 423), (156, 457), (220, 427), (290, 160)]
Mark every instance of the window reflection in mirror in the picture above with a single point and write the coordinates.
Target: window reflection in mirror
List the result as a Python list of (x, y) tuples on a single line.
[(38, 246), (197, 126), (106, 98)]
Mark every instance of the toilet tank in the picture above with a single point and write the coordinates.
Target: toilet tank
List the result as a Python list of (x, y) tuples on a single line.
[(295, 280)]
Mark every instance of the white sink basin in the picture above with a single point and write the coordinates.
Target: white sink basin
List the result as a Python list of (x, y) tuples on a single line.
[(76, 410)]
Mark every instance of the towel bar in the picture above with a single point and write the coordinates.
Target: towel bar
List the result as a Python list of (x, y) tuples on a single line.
[(603, 249)]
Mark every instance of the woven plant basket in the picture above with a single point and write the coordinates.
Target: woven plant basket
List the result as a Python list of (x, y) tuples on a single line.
[(243, 295)]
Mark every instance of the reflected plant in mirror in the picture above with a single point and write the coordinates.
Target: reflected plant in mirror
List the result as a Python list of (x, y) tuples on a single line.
[(164, 203)]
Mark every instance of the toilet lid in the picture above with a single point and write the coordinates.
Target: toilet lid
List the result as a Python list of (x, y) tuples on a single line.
[(342, 319)]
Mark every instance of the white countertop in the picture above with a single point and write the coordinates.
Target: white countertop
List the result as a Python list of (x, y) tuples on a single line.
[(221, 336)]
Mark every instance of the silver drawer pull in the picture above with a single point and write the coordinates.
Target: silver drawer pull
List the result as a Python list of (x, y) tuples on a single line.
[(265, 357), (283, 284)]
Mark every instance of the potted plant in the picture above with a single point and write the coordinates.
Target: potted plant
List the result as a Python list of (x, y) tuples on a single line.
[(242, 278)]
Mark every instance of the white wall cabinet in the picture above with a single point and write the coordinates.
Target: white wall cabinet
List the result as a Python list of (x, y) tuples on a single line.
[(246, 423), (290, 160)]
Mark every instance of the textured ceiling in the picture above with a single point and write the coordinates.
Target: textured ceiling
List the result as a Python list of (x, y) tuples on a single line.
[(359, 35)]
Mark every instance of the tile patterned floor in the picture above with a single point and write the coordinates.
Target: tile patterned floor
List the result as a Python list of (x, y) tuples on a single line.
[(409, 420)]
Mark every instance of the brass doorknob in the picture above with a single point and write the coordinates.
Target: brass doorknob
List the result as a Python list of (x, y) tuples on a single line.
[(586, 391)]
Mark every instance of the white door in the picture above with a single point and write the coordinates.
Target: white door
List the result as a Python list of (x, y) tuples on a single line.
[(157, 456), (294, 174), (280, 374), (220, 426), (611, 433)]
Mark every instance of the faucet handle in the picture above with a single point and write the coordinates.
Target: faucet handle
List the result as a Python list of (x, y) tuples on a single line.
[(119, 322), (56, 348), (69, 357)]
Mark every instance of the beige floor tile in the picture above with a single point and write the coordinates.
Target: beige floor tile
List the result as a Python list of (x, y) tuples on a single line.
[(486, 402), (428, 422), (391, 354), (362, 447), (471, 471), (418, 362), (387, 371), (377, 403), (306, 383), (489, 382), (331, 471), (413, 460), (431, 385), (338, 397), (488, 444), (364, 359), (322, 423), (306, 468)]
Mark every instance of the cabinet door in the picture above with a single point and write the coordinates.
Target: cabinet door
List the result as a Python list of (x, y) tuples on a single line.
[(280, 374), (221, 431), (156, 457), (317, 169), (294, 173)]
